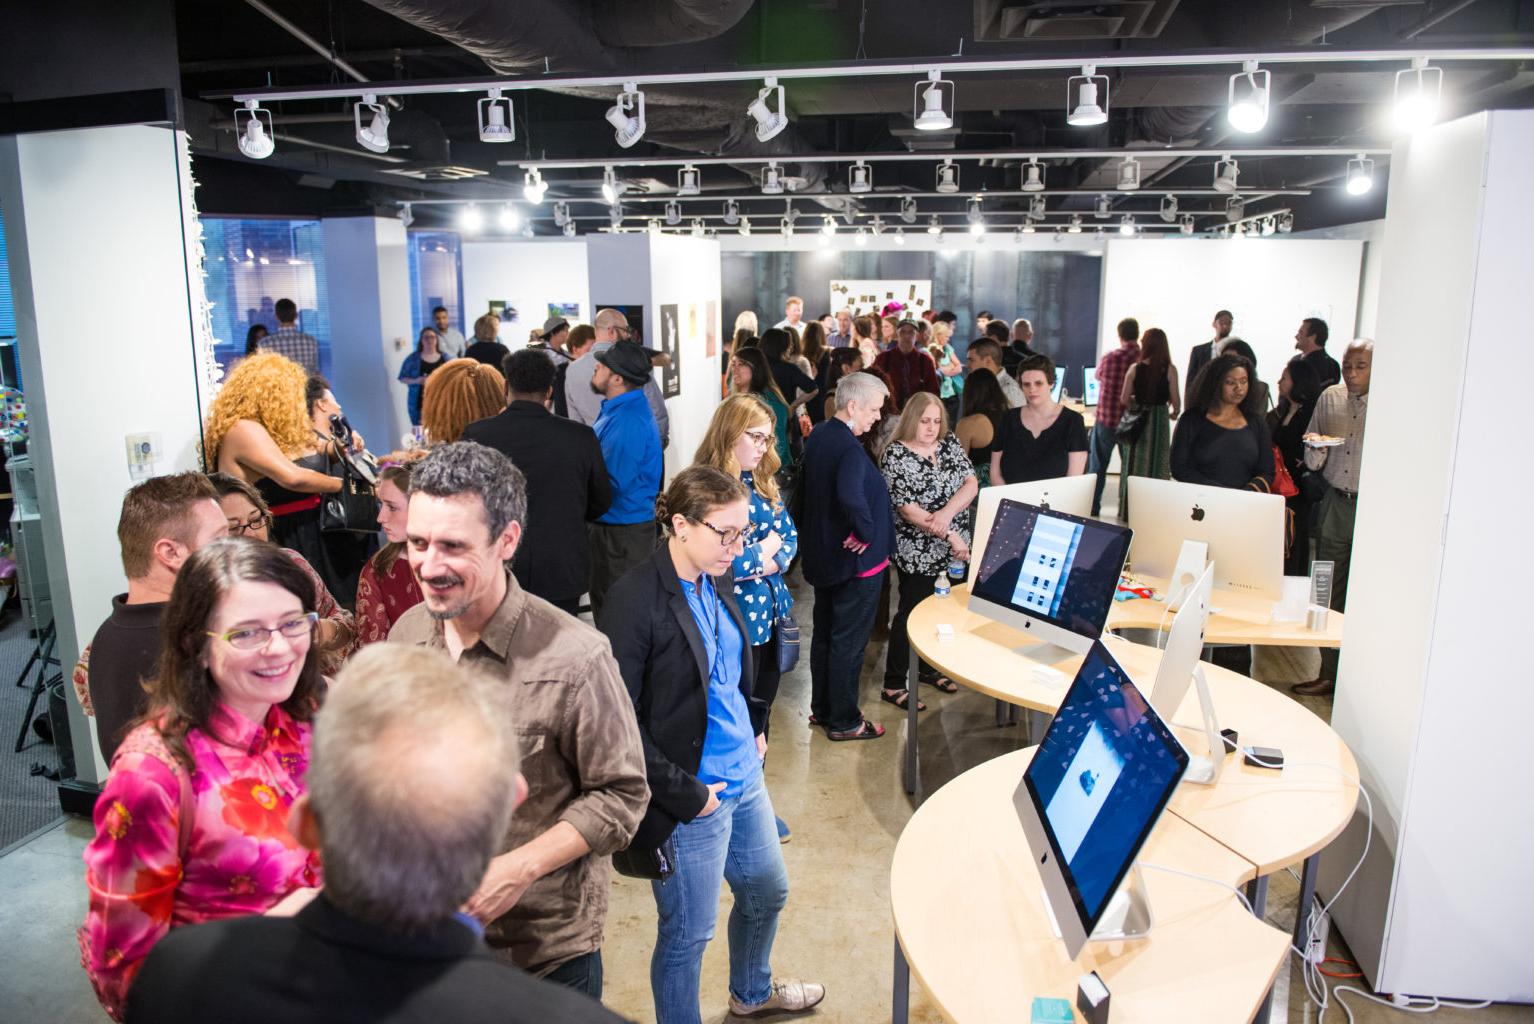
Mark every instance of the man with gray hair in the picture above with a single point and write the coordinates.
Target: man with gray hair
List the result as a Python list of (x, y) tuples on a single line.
[(845, 536), (413, 778), (612, 328), (544, 898)]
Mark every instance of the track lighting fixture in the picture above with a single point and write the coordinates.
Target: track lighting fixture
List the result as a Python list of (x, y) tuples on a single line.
[(1127, 225), (373, 137), (569, 229), (406, 215), (822, 239), (876, 226), (1036, 207), (652, 227), (1417, 92), (972, 211), (697, 227), (508, 218), (1168, 208), (561, 214), (1081, 109), (947, 177), (1269, 226), (626, 115), (673, 213), (850, 215), (1247, 98), (1033, 177), (254, 138), (786, 227), (1186, 227), (731, 212), (1028, 226), (977, 228), (1099, 235), (527, 229), (533, 186), (1129, 174), (688, 181), (610, 189), (861, 238), (745, 225), (1103, 208), (1075, 226), (769, 122), (829, 227), (900, 236), (929, 112), (860, 178), (772, 180), (789, 211), (1285, 222), (934, 225), (908, 210), (497, 123), (1059, 235), (1360, 175), (1225, 173), (470, 219), (615, 215), (1235, 208)]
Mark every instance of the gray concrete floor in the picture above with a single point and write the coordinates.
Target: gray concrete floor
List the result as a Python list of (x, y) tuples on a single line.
[(845, 805)]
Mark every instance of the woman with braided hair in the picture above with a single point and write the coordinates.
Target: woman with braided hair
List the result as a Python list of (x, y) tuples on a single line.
[(463, 391)]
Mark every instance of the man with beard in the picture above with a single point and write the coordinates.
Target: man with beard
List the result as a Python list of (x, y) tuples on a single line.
[(543, 900)]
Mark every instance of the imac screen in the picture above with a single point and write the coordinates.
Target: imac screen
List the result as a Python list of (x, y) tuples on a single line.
[(1056, 567), (1101, 777)]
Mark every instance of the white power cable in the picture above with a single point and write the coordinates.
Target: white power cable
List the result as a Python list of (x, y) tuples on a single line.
[(1201, 878)]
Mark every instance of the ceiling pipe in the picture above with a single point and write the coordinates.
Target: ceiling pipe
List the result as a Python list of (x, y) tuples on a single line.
[(1434, 18), (315, 45)]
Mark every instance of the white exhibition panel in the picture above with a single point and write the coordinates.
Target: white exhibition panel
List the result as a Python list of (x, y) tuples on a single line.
[(1269, 284), (525, 277), (684, 274), (89, 385)]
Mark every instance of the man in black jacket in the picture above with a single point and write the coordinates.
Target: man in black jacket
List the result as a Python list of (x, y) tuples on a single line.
[(1200, 355), (413, 779), (567, 482)]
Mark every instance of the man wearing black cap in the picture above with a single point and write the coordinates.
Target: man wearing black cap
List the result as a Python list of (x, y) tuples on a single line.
[(624, 535), (551, 340)]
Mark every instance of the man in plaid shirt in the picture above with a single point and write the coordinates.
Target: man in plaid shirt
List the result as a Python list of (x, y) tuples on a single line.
[(289, 341), (1112, 368)]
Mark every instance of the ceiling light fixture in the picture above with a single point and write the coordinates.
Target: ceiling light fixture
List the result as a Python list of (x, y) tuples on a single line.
[(900, 236), (1247, 97), (1168, 208), (934, 225), (1099, 235), (745, 226), (470, 219), (533, 186), (877, 226), (1418, 90), (1285, 222), (772, 180), (1036, 207), (947, 177), (822, 239), (697, 227), (508, 218), (1360, 175), (1235, 208), (375, 136), (731, 212), (569, 229), (1033, 177), (497, 122), (1269, 226), (977, 228), (972, 211), (1028, 226), (626, 115), (406, 215), (768, 122), (928, 109), (1129, 174), (1127, 225), (688, 181), (786, 227), (1081, 109), (561, 214), (829, 227), (860, 178), (615, 215), (1075, 226), (673, 213), (908, 210), (861, 238), (527, 229), (1225, 173), (1103, 208), (1186, 227), (255, 138), (610, 188)]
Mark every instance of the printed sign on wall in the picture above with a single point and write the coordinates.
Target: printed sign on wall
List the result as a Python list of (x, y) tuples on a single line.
[(671, 345)]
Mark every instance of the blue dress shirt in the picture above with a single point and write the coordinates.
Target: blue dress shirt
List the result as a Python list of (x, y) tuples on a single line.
[(631, 448), (729, 744)]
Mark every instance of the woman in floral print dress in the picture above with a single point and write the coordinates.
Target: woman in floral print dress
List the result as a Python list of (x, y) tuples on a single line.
[(191, 825), (387, 587)]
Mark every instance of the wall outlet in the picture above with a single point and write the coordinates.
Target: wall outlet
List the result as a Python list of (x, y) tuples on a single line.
[(144, 451)]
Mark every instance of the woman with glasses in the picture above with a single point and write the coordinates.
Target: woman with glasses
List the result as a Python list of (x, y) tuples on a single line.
[(418, 366), (387, 588), (750, 374), (247, 515), (683, 646), (192, 824)]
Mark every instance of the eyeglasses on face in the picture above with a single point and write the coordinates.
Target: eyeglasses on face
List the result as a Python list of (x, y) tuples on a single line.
[(250, 524), (254, 638), (727, 538), (760, 438)]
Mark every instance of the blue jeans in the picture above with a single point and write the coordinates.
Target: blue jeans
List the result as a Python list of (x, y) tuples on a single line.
[(738, 843), (1103, 441), (844, 618)]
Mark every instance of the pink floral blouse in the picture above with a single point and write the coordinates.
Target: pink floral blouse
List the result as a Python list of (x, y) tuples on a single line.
[(237, 857)]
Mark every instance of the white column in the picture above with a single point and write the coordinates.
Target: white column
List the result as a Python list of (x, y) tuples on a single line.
[(93, 222)]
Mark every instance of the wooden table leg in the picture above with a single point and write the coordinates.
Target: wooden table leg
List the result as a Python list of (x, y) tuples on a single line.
[(900, 1002)]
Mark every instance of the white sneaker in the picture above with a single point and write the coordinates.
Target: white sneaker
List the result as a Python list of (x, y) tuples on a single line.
[(789, 995)]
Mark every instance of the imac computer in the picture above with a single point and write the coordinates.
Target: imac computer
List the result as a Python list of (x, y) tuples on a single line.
[(1243, 529), (1050, 574), (1180, 667), (1097, 784), (1069, 494), (1059, 385), (1090, 385)]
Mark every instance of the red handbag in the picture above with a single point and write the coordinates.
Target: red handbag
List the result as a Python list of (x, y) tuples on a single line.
[(1283, 483)]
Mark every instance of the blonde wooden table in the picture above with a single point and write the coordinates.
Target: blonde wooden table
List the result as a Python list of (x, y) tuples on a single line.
[(1235, 618), (970, 919)]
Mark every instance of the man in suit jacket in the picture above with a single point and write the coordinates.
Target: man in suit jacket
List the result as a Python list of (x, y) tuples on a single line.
[(567, 482), (1199, 355), (415, 767)]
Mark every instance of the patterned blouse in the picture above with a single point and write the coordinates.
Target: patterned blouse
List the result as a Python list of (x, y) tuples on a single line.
[(382, 599), (764, 599), (930, 484), (146, 872)]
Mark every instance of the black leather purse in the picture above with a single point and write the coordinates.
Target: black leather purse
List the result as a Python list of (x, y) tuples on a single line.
[(656, 863), (354, 508)]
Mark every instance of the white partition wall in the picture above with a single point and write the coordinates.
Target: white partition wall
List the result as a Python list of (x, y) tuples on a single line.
[(1434, 691), (368, 276), (527, 277)]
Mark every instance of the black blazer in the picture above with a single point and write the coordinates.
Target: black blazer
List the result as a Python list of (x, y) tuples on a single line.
[(567, 487), (326, 967), (844, 493), (664, 664), (1199, 357)]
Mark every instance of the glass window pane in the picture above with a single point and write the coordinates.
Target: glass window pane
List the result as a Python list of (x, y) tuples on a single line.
[(436, 277), (250, 264)]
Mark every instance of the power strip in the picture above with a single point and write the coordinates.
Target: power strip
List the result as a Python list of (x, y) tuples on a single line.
[(1316, 932)]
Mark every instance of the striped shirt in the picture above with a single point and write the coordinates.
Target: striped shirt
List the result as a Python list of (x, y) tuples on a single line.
[(1339, 414), (289, 341)]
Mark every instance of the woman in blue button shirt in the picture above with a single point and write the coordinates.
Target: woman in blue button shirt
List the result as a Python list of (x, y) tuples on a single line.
[(684, 653)]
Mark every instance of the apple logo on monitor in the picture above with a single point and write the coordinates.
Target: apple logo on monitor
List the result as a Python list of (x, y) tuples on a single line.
[(1198, 514)]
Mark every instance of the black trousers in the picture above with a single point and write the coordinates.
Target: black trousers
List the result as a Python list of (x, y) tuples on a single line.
[(912, 590)]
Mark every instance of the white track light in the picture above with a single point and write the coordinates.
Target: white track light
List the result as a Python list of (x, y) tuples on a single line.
[(688, 181), (497, 123), (527, 229), (928, 112), (255, 137), (673, 213), (861, 238), (697, 227), (406, 215), (1129, 174), (1235, 208), (900, 236), (1247, 98), (1075, 226), (745, 226), (1028, 227), (569, 229), (561, 214), (908, 210), (1127, 225), (1225, 174), (626, 115), (1036, 207), (1360, 175), (769, 122), (533, 186), (828, 228), (1081, 107), (610, 188), (1168, 208), (1033, 177), (615, 215), (1186, 227), (972, 211), (1417, 92), (1103, 208), (508, 218), (375, 135), (772, 180), (731, 212), (786, 228), (947, 176), (1285, 222), (860, 178), (470, 219), (934, 225)]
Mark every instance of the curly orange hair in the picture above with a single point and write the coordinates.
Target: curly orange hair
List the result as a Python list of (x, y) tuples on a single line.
[(457, 394), (268, 389)]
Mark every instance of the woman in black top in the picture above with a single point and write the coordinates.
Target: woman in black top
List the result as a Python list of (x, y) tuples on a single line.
[(984, 405), (1299, 387), (1222, 439), (1043, 439), (486, 349)]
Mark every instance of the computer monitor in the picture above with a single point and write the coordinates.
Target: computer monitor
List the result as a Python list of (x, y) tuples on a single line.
[(1090, 385), (1097, 784), (1069, 494), (1059, 386), (1179, 663), (1244, 531), (1050, 574)]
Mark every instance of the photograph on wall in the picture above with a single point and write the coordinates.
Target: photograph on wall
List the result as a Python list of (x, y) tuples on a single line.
[(504, 311), (671, 345), (568, 311), (634, 315), (711, 329), (908, 298)]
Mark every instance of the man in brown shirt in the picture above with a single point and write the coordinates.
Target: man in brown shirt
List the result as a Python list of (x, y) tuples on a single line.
[(544, 898)]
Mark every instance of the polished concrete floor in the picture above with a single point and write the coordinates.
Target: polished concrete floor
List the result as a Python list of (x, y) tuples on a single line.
[(846, 806)]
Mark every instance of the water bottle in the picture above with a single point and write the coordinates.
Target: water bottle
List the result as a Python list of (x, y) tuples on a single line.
[(940, 586), (956, 570)]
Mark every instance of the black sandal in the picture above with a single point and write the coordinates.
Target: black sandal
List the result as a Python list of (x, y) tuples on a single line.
[(943, 683), (901, 699), (867, 731)]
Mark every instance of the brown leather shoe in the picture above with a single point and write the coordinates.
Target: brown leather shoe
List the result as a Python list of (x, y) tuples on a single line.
[(789, 995), (1315, 688)]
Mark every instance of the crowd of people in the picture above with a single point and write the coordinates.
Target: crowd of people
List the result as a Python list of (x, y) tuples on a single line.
[(388, 765)]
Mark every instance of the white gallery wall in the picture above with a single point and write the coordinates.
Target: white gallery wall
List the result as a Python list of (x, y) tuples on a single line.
[(368, 275), (1269, 284), (526, 276)]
